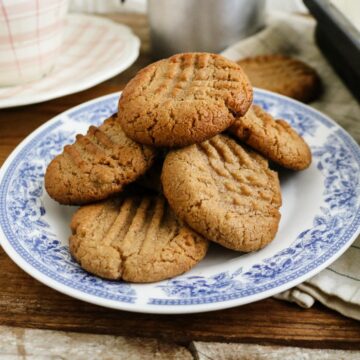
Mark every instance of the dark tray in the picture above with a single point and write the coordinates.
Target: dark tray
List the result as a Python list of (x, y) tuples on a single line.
[(339, 41)]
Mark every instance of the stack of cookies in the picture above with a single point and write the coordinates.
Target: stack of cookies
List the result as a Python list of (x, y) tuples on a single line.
[(188, 124)]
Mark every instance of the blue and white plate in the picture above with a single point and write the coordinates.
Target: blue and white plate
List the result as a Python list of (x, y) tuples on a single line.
[(320, 219)]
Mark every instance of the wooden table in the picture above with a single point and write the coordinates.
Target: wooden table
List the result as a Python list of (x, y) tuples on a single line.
[(24, 302)]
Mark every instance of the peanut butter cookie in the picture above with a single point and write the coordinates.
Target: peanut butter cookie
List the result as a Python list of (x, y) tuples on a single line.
[(184, 99), (275, 139), (137, 239), (225, 192), (284, 75), (96, 165)]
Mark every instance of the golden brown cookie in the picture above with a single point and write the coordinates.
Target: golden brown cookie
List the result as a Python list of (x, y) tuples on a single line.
[(96, 165), (134, 238), (282, 74), (224, 192), (275, 139), (184, 99)]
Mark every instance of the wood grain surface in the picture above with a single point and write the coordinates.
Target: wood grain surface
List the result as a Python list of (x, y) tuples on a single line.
[(27, 303)]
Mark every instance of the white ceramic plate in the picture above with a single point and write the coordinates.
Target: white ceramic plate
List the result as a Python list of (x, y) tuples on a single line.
[(94, 50), (320, 219)]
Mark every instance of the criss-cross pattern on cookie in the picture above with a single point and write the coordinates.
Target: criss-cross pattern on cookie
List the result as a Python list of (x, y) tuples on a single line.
[(184, 99)]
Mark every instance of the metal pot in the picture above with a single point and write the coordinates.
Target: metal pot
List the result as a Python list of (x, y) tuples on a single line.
[(201, 25)]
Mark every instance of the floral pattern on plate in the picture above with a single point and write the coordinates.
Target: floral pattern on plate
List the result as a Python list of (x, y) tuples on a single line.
[(35, 228)]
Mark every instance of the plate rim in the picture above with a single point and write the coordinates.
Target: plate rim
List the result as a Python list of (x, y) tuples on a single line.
[(132, 42), (154, 308)]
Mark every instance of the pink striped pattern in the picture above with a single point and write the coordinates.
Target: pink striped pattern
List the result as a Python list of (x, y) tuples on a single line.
[(93, 50), (16, 8), (28, 49), (46, 31), (4, 11), (30, 61)]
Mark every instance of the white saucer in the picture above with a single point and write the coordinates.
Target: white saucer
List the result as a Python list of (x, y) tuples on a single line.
[(94, 49)]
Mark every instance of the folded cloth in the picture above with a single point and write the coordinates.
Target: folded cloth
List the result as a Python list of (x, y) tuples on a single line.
[(338, 286)]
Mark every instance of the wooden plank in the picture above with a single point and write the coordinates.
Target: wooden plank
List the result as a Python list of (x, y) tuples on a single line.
[(23, 344), (25, 302), (206, 351)]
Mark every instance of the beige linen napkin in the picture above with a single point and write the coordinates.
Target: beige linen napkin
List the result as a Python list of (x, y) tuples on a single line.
[(338, 286)]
